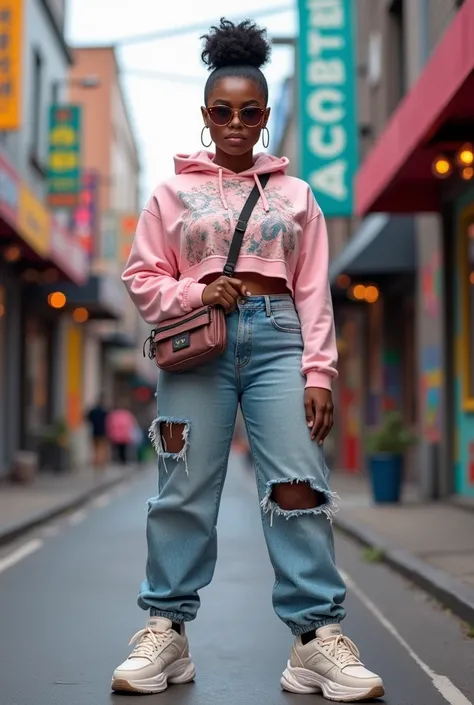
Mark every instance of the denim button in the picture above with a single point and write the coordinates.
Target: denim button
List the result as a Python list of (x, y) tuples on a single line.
[(241, 301)]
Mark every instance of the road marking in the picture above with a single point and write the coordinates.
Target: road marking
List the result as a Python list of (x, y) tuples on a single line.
[(77, 517), (442, 683), (23, 552), (102, 501)]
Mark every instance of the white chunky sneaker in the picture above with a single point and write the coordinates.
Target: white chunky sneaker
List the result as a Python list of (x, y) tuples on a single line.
[(330, 664), (161, 656)]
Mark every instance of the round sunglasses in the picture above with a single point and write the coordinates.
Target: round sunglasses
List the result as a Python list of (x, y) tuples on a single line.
[(222, 115)]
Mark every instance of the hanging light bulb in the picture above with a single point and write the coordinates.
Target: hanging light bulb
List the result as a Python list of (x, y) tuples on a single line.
[(442, 167), (465, 156)]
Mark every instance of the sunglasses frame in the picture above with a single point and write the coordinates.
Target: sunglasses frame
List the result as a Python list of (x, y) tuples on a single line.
[(237, 111)]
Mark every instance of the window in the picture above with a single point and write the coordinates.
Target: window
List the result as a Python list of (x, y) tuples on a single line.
[(397, 85), (36, 108), (466, 270)]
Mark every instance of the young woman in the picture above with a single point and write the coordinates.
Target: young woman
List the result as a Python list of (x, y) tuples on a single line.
[(278, 366)]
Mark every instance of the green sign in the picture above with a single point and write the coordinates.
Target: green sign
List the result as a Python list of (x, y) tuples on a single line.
[(64, 173), (327, 80)]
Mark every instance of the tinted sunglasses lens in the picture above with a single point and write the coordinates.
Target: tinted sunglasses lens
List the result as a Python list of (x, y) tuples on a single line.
[(251, 116), (220, 115)]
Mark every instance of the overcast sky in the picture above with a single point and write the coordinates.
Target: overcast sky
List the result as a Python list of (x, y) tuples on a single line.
[(166, 113)]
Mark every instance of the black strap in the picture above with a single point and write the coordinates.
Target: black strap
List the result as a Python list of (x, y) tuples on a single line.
[(241, 226)]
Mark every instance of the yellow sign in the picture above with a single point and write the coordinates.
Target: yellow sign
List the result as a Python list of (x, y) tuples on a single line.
[(34, 222), (11, 50)]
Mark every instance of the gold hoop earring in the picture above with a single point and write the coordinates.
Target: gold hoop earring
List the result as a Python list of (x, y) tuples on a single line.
[(265, 137), (202, 137)]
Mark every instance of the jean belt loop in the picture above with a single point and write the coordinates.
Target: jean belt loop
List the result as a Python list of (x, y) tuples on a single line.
[(268, 306)]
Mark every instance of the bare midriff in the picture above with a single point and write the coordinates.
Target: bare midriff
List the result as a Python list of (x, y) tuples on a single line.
[(256, 284)]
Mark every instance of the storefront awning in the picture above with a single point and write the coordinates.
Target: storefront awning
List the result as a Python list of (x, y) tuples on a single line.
[(436, 114), (382, 245)]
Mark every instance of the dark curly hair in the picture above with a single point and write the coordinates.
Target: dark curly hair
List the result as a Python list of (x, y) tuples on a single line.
[(236, 50)]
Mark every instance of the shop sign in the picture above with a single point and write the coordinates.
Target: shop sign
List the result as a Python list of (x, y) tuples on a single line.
[(9, 192), (64, 174), (84, 223), (327, 102), (11, 54), (67, 253), (34, 222), (127, 227)]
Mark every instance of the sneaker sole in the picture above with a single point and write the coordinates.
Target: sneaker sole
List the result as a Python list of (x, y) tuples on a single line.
[(178, 673), (304, 681)]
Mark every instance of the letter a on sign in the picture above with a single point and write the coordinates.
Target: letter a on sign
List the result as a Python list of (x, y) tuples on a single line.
[(331, 180)]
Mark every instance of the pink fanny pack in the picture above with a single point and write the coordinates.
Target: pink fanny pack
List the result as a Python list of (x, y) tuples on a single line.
[(181, 343)]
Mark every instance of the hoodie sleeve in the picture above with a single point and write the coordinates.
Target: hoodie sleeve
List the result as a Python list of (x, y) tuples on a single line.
[(151, 273), (314, 304)]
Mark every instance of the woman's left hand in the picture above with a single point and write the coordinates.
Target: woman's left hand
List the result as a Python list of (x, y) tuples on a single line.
[(319, 412)]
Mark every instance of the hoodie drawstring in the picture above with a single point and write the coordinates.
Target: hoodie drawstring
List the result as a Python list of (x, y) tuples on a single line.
[(266, 207), (224, 199)]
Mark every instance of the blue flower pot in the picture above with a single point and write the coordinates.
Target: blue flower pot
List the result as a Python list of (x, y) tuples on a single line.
[(386, 476)]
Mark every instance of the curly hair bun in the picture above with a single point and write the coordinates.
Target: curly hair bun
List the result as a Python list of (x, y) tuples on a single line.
[(243, 44)]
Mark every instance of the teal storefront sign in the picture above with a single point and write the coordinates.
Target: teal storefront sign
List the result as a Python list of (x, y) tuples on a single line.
[(327, 107), (64, 160)]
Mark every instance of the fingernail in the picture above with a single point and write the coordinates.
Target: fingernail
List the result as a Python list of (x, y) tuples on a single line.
[(320, 443), (309, 424)]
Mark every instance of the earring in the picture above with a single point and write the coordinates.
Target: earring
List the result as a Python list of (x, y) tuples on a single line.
[(202, 137), (265, 137)]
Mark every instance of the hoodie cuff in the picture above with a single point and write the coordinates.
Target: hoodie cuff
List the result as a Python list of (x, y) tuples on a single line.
[(314, 378), (193, 296)]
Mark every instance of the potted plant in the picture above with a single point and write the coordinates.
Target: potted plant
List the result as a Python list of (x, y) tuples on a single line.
[(54, 452), (386, 446)]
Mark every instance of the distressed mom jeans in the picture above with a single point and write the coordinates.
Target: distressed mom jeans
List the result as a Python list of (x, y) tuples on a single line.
[(261, 371)]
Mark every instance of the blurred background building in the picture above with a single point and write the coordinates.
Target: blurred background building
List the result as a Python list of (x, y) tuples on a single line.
[(69, 191), (401, 263)]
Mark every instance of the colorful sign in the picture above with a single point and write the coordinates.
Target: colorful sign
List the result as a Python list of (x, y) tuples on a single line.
[(64, 172), (84, 223), (66, 251), (33, 222), (127, 228), (327, 102), (11, 54), (9, 192)]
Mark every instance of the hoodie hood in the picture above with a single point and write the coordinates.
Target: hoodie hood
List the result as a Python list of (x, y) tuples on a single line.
[(203, 163)]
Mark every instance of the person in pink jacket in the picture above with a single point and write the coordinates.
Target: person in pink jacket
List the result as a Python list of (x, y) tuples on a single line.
[(278, 366), (121, 432)]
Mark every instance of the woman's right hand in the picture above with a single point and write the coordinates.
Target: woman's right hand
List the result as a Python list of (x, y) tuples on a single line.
[(224, 292)]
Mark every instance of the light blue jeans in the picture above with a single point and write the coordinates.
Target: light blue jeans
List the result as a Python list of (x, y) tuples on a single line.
[(261, 371)]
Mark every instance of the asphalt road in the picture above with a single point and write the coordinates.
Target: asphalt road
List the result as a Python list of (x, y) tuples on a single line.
[(68, 609)]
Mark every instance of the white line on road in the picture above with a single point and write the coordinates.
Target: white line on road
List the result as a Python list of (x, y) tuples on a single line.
[(442, 684), (101, 501), (77, 517), (23, 552)]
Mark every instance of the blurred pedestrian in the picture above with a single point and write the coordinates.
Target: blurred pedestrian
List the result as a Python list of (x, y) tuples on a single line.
[(122, 432), (279, 362), (97, 418)]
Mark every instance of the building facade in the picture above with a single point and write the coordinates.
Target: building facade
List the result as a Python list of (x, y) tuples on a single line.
[(401, 322), (35, 249)]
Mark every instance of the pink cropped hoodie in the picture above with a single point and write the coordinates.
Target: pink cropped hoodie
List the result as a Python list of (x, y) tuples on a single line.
[(184, 234)]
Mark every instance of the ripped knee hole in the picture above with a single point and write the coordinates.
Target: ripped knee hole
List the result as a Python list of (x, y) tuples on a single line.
[(172, 436), (297, 496)]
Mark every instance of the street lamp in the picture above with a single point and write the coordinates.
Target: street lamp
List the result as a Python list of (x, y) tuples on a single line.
[(89, 81)]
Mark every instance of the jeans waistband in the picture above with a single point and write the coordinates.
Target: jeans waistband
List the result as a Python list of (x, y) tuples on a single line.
[(266, 303)]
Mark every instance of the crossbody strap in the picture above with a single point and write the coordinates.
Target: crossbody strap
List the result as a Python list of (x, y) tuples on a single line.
[(241, 226)]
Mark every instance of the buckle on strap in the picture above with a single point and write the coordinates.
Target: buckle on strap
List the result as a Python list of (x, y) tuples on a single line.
[(229, 270), (241, 226)]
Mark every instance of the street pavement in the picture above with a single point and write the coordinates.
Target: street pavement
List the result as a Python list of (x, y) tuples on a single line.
[(68, 608)]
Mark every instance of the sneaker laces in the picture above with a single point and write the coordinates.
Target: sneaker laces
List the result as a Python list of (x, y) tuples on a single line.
[(147, 643), (342, 649)]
